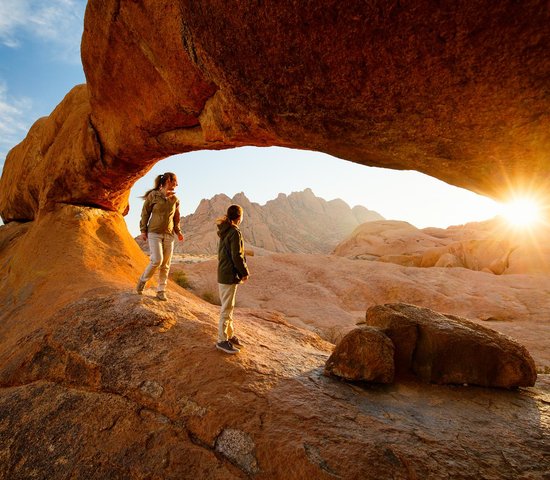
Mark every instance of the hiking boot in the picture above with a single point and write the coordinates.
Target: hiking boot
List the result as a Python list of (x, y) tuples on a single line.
[(235, 342), (226, 347), (162, 296), (140, 286)]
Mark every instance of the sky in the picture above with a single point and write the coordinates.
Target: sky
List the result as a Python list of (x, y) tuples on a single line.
[(40, 63)]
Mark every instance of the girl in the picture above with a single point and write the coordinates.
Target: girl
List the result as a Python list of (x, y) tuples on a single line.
[(232, 270), (160, 219)]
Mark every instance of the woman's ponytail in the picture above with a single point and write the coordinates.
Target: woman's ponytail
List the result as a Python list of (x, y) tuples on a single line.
[(160, 180)]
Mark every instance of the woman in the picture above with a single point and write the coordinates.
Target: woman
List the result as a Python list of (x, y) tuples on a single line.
[(160, 220), (232, 271)]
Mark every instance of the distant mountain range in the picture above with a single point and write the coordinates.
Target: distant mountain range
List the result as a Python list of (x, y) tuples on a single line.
[(295, 223)]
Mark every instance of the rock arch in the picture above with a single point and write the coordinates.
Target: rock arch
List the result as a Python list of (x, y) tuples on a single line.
[(459, 92)]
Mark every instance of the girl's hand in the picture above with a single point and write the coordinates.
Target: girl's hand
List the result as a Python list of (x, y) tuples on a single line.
[(180, 237), (143, 236)]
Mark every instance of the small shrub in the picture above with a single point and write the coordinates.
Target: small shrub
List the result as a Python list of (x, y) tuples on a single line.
[(211, 298), (181, 279)]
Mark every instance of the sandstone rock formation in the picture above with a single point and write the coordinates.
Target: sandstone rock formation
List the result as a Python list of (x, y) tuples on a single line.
[(450, 91), (445, 349), (387, 239), (490, 246), (98, 382), (299, 223)]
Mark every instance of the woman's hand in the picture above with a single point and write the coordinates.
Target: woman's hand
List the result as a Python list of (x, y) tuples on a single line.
[(180, 237), (143, 236)]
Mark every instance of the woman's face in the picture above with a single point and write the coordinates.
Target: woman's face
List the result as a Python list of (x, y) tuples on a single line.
[(170, 185)]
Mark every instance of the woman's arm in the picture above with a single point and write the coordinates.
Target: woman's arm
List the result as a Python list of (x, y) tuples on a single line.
[(145, 215), (177, 219)]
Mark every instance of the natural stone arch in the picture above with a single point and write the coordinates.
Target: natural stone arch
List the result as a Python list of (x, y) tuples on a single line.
[(459, 92), (160, 81)]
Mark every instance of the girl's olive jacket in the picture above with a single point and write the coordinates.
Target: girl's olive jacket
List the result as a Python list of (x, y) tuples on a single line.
[(231, 259)]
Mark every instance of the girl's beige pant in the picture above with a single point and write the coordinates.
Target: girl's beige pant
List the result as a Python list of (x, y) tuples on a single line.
[(227, 299)]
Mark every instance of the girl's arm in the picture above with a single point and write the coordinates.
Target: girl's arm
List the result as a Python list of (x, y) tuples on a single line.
[(237, 254)]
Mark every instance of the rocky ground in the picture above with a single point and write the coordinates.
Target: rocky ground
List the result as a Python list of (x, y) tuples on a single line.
[(98, 382)]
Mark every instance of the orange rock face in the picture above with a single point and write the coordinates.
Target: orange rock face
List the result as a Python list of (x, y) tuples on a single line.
[(457, 93), (458, 90)]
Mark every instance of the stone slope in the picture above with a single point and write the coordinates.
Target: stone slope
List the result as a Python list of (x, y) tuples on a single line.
[(144, 394), (299, 223)]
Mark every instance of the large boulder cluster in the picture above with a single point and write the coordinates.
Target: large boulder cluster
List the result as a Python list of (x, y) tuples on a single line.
[(400, 340)]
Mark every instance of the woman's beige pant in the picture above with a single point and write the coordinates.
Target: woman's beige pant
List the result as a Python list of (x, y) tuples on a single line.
[(161, 246), (227, 299)]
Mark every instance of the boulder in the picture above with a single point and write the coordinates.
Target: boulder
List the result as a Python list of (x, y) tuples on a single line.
[(447, 349), (364, 354)]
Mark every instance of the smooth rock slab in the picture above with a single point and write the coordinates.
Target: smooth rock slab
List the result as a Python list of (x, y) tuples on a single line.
[(447, 349)]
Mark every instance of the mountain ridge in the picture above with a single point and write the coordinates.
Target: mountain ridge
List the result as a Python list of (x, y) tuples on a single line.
[(299, 222)]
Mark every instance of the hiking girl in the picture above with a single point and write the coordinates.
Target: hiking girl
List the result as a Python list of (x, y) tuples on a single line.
[(232, 271)]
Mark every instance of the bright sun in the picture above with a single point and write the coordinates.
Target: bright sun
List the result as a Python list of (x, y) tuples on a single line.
[(522, 212)]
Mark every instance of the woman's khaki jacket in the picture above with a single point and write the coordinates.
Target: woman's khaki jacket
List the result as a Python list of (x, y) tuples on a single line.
[(160, 214)]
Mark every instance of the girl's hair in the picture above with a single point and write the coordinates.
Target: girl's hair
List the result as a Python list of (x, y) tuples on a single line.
[(160, 181), (233, 213)]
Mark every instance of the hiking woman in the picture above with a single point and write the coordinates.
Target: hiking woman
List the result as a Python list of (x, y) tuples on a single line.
[(160, 220), (232, 271)]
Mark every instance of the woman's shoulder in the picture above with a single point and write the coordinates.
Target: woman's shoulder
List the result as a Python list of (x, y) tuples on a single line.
[(152, 195)]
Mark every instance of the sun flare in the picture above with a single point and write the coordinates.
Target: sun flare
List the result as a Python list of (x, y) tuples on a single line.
[(522, 212)]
